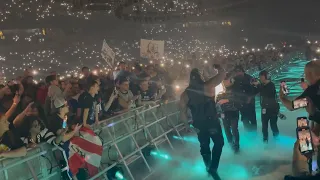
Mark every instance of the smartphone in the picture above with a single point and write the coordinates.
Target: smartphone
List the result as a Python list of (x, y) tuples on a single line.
[(302, 122), (284, 87), (64, 124), (305, 140), (300, 103)]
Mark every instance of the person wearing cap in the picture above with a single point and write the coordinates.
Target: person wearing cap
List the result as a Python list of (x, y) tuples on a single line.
[(56, 122), (197, 97), (246, 93)]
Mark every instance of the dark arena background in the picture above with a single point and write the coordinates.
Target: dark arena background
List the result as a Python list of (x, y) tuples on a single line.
[(90, 89)]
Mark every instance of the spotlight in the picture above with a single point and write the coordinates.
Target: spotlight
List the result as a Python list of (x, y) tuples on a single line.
[(115, 173)]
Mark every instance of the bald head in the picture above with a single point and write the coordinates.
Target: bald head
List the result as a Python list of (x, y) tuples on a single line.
[(312, 71)]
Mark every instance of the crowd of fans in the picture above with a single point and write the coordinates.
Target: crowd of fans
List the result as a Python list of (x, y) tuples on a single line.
[(53, 111)]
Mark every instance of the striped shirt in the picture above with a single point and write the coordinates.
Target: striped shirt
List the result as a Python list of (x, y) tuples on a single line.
[(44, 136)]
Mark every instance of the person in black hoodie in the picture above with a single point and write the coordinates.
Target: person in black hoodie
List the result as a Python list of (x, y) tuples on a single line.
[(230, 113), (205, 118)]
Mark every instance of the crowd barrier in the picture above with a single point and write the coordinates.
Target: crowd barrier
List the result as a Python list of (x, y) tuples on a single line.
[(124, 137)]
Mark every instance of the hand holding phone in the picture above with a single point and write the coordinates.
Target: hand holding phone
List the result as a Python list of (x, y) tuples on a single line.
[(114, 93), (64, 124), (254, 82), (305, 140), (284, 88), (300, 103)]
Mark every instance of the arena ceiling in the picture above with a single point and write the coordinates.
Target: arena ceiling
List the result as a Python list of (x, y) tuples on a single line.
[(28, 14)]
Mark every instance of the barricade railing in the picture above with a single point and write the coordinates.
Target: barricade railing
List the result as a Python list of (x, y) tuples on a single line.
[(148, 126), (124, 137), (37, 157)]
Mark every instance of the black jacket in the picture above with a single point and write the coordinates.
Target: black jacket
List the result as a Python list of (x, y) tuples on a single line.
[(232, 105)]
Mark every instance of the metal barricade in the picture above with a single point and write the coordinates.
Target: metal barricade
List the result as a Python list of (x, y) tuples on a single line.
[(35, 165), (129, 135), (124, 137)]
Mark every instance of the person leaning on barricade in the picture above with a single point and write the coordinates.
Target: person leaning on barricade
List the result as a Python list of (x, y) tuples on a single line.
[(58, 123), (312, 93), (88, 105), (11, 145)]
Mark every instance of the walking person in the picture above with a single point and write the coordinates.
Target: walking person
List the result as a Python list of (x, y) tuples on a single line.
[(269, 105), (230, 113), (205, 118), (246, 94)]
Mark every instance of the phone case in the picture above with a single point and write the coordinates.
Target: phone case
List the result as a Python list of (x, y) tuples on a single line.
[(298, 118), (299, 107), (64, 124), (308, 129)]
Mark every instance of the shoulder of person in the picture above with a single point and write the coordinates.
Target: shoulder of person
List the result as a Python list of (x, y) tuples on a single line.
[(84, 95), (272, 84)]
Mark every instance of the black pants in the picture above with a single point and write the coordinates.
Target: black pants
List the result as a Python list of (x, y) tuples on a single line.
[(270, 115), (248, 116), (230, 123), (204, 138)]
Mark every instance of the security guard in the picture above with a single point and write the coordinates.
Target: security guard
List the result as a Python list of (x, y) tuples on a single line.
[(269, 105)]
